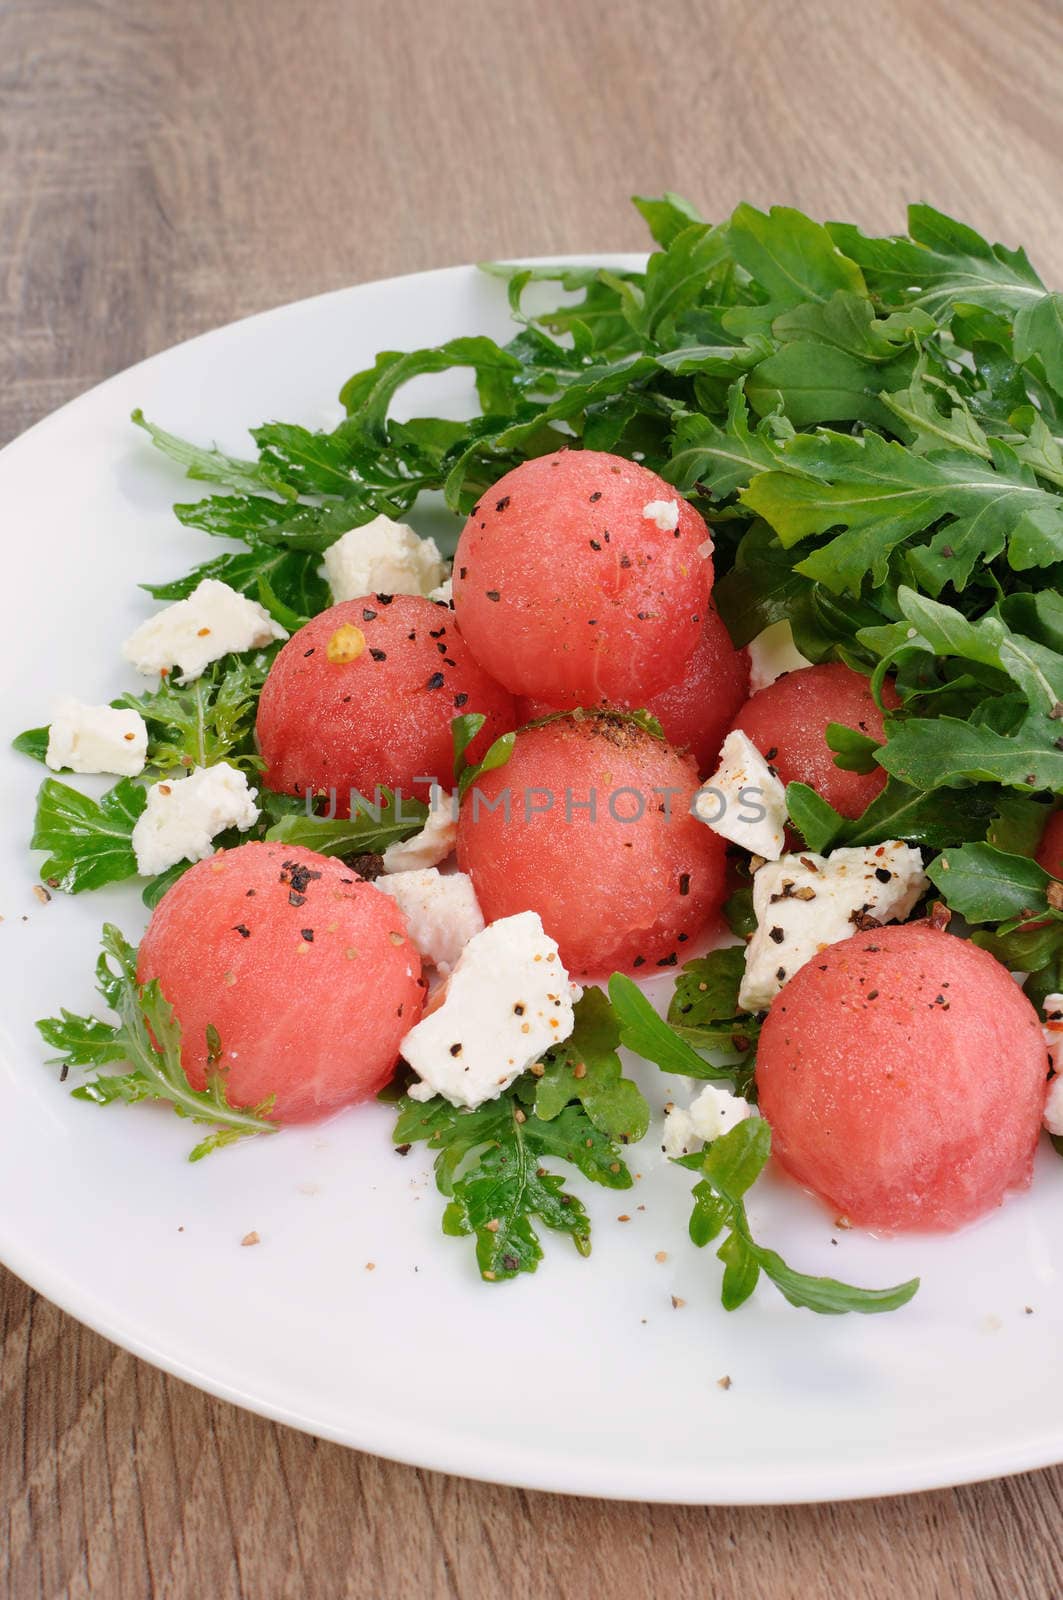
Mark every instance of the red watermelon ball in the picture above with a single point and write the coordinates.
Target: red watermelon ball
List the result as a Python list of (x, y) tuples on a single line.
[(565, 590), (1050, 850), (627, 887), (696, 711), (304, 969), (788, 720), (903, 1073), (383, 716)]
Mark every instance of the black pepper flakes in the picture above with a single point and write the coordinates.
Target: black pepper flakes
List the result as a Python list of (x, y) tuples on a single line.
[(639, 961), (308, 652), (455, 1049), (684, 883), (379, 655), (460, 700), (492, 594), (307, 934), (368, 615), (776, 935), (244, 932), (500, 505), (883, 874), (384, 599), (597, 495), (668, 961), (435, 681), (594, 544)]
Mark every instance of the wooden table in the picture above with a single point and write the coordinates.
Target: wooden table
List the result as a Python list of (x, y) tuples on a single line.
[(168, 165)]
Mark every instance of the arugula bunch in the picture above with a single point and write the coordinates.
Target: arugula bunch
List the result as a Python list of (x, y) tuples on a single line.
[(576, 1106), (146, 1040)]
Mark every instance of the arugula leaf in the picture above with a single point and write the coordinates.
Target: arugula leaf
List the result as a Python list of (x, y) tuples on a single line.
[(728, 1168), (651, 1037), (1039, 336), (793, 258), (213, 465), (211, 719), (985, 884), (34, 742), (489, 1166), (89, 842), (463, 731), (391, 818), (586, 1067), (147, 1037)]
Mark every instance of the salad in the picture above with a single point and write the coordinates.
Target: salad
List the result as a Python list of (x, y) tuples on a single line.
[(743, 670)]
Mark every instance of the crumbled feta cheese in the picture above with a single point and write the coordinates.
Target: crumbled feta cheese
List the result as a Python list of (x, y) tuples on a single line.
[(805, 902), (382, 557), (444, 595), (434, 843), (772, 653), (744, 801), (183, 815), (506, 1003), (442, 912), (192, 633), (1054, 1039), (713, 1112), (664, 514), (97, 739)]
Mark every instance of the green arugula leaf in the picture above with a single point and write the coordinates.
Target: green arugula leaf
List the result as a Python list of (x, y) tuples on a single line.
[(793, 258), (1039, 336), (464, 730), (651, 1037), (389, 819), (89, 842), (586, 1068), (728, 1168), (147, 1036), (489, 1165), (985, 884), (209, 720), (34, 742), (213, 466)]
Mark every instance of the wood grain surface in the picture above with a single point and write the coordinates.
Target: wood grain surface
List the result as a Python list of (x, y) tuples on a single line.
[(168, 165)]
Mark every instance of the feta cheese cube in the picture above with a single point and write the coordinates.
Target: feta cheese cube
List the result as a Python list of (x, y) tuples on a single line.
[(441, 910), (434, 843), (713, 1112), (382, 557), (744, 801), (773, 653), (192, 633), (97, 739), (183, 815), (664, 514), (444, 595), (805, 902), (1054, 1039), (506, 1003)]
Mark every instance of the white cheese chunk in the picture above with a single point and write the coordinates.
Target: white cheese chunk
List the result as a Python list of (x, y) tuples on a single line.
[(441, 910), (744, 801), (773, 653), (434, 843), (183, 815), (713, 1112), (97, 739), (1054, 1040), (805, 902), (192, 633), (506, 1003), (664, 514), (382, 557), (444, 595)]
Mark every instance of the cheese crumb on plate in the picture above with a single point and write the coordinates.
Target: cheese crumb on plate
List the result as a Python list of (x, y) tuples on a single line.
[(183, 816), (190, 634), (97, 739)]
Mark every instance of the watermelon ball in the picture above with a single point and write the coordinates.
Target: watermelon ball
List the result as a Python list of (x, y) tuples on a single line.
[(626, 885), (365, 693), (1050, 850), (788, 720), (304, 969), (582, 579), (697, 710), (903, 1073)]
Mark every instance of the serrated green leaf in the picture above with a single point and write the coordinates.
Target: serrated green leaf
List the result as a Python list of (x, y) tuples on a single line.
[(89, 842)]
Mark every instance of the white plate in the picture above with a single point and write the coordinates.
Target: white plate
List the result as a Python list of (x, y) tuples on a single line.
[(583, 1378)]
